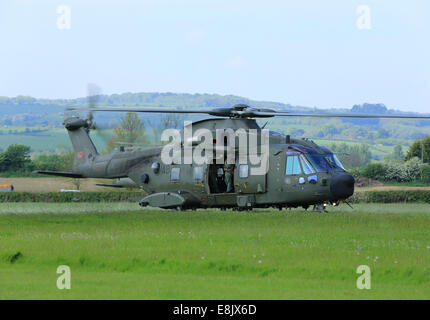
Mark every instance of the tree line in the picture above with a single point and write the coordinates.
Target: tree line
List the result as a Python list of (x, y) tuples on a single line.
[(17, 161), (398, 167)]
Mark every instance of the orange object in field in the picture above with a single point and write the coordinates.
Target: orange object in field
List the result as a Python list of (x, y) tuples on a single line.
[(6, 187)]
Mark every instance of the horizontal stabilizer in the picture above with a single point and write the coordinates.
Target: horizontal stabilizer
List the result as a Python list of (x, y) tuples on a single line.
[(59, 173)]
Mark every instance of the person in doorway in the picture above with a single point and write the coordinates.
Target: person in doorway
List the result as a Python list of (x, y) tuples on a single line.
[(228, 176)]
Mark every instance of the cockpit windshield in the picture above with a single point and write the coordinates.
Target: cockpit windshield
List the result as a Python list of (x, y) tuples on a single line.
[(312, 161), (325, 162)]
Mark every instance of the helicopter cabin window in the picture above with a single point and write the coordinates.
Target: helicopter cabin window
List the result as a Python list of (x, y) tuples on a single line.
[(174, 174), (243, 171), (293, 165), (198, 174)]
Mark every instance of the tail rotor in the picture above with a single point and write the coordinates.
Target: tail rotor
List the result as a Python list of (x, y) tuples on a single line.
[(94, 95)]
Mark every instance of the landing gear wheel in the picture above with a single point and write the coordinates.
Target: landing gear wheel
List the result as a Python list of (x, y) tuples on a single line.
[(320, 207)]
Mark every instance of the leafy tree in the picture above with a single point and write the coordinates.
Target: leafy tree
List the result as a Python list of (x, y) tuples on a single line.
[(15, 158), (25, 100), (413, 169), (378, 108), (361, 132), (130, 130), (67, 156), (171, 121), (383, 134), (425, 173), (375, 171), (417, 150), (167, 121), (330, 130), (46, 161), (396, 155)]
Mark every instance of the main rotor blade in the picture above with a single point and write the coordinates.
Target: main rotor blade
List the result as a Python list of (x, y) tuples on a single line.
[(254, 113), (115, 109), (258, 114)]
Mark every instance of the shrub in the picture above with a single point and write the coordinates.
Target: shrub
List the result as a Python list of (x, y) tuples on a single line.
[(374, 171), (403, 171), (391, 196)]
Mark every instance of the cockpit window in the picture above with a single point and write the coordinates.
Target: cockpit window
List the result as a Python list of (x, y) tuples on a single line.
[(307, 168), (293, 165), (311, 161), (336, 161), (296, 166), (325, 162), (289, 167)]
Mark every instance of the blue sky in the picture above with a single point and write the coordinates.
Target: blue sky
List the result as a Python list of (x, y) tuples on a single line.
[(309, 53)]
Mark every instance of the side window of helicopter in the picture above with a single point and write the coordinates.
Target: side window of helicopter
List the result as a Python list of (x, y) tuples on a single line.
[(243, 171), (175, 173), (293, 165), (198, 174)]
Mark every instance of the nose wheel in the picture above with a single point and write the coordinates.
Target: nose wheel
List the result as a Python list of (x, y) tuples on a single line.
[(320, 207)]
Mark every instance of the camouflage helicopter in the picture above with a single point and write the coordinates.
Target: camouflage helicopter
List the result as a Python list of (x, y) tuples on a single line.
[(298, 171)]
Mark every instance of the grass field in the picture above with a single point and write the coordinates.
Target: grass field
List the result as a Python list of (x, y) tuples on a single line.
[(121, 251)]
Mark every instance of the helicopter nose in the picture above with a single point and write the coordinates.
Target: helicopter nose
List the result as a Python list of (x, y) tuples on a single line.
[(342, 186)]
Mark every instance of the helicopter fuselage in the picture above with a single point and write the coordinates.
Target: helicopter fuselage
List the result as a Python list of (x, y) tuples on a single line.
[(275, 170), (297, 172), (191, 186)]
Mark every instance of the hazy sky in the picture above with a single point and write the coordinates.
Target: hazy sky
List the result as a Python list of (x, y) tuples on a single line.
[(311, 53)]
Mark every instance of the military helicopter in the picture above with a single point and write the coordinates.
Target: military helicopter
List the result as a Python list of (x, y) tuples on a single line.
[(298, 171)]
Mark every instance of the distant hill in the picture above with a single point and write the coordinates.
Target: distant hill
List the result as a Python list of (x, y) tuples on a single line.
[(24, 110), (155, 99), (29, 104)]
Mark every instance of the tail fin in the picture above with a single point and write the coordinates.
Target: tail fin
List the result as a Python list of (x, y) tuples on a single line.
[(83, 146)]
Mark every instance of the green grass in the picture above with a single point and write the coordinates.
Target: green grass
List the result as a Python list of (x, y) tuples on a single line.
[(117, 250)]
